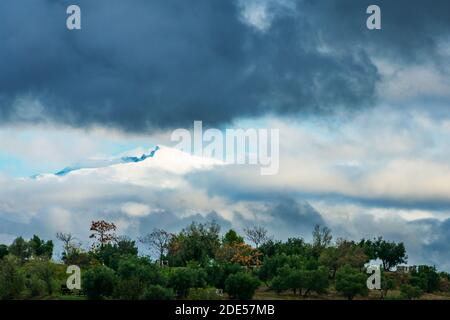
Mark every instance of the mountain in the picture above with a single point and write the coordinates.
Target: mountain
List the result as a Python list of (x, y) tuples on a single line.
[(159, 158)]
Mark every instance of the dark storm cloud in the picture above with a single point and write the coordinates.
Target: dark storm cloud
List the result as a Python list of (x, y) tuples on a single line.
[(411, 29), (295, 219), (439, 244), (284, 218), (138, 65)]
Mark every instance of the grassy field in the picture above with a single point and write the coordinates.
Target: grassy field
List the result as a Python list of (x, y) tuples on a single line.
[(265, 294)]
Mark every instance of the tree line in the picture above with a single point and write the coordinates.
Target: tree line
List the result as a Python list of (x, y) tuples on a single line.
[(199, 263)]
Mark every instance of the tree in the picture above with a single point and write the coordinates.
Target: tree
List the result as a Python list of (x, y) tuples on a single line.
[(317, 281), (291, 278), (239, 253), (387, 283), (271, 266), (42, 272), (217, 273), (111, 254), (182, 279), (12, 281), (126, 247), (293, 246), (344, 253), (99, 282), (231, 238), (426, 278), (4, 251), (41, 248), (257, 234), (103, 232), (68, 242), (135, 273), (158, 241), (350, 282), (21, 249), (390, 253), (301, 280), (157, 292), (78, 256), (198, 242), (321, 239), (241, 286), (410, 292)]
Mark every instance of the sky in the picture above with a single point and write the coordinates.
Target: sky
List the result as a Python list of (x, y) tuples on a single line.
[(363, 116)]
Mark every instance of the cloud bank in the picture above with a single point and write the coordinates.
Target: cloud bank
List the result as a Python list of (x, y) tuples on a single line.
[(153, 64)]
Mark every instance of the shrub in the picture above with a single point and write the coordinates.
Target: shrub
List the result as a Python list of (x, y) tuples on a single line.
[(12, 281), (427, 279), (204, 294), (41, 270), (135, 275), (157, 292), (279, 284), (317, 281), (128, 289), (410, 292), (351, 282), (99, 282), (241, 286), (4, 251), (218, 273), (37, 287), (182, 279)]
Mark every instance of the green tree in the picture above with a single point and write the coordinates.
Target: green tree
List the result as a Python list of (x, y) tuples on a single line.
[(426, 278), (99, 282), (351, 282), (198, 242), (20, 248), (241, 286), (157, 292), (271, 266), (387, 283), (77, 256), (218, 273), (231, 238), (135, 274), (390, 253), (4, 251), (321, 239), (40, 248), (410, 292), (344, 253), (317, 281), (301, 280), (111, 254), (42, 272), (182, 279), (12, 281), (280, 284)]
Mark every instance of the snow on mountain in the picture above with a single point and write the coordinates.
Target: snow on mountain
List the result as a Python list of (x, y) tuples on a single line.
[(149, 168)]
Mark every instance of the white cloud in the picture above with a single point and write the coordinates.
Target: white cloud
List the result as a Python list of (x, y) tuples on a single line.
[(135, 209)]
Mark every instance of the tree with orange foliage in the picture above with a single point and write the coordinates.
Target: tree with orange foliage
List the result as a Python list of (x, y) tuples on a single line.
[(239, 253), (103, 232)]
